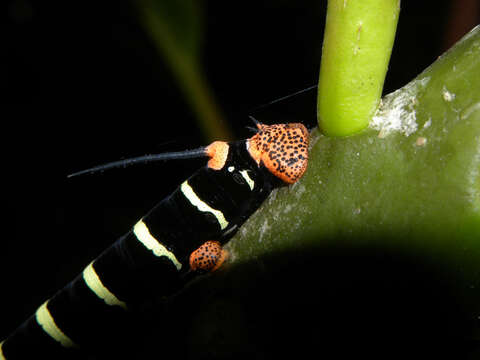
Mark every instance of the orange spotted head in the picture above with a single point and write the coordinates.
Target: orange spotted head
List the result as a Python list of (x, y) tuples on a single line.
[(282, 149), (208, 257)]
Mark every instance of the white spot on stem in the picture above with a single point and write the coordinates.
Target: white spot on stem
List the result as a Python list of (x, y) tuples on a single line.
[(397, 110)]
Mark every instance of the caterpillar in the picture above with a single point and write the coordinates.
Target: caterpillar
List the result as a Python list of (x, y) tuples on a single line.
[(180, 238)]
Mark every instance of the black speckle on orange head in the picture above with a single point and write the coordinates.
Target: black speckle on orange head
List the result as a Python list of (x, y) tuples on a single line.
[(282, 149), (208, 257)]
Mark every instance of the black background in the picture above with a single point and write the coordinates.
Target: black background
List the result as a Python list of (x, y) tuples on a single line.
[(83, 84)]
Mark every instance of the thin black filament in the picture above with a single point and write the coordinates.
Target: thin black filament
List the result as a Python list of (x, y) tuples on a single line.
[(187, 154)]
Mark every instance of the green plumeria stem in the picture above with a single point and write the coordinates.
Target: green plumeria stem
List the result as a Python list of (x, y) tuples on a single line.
[(409, 184), (358, 41)]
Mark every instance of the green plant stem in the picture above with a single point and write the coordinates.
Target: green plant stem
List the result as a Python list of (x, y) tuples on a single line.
[(182, 58), (410, 183), (357, 45)]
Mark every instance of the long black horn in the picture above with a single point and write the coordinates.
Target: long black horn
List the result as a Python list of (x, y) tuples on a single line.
[(187, 154)]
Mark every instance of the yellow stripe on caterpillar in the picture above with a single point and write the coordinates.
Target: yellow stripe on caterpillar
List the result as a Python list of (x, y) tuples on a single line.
[(95, 284), (143, 235), (45, 320), (2, 357), (201, 205)]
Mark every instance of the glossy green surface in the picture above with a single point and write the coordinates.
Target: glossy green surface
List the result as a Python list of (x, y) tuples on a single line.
[(356, 50), (410, 183)]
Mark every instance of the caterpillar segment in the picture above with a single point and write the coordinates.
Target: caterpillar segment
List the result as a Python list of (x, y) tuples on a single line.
[(182, 236)]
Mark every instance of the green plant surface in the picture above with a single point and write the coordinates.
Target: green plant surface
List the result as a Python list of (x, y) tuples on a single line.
[(176, 29), (410, 183), (357, 45)]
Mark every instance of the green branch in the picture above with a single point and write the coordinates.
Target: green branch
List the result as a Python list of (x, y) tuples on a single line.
[(410, 184), (357, 45)]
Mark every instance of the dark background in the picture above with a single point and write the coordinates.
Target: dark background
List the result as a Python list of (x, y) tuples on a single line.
[(83, 85)]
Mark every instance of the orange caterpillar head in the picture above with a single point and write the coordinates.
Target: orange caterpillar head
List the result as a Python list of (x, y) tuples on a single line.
[(208, 257), (282, 149)]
